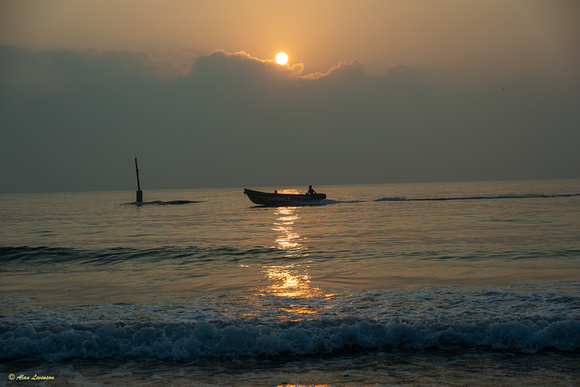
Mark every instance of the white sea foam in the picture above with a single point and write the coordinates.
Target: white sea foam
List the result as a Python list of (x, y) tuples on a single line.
[(517, 319), (232, 340)]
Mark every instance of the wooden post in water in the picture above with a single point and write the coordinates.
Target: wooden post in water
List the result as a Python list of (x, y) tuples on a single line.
[(139, 192)]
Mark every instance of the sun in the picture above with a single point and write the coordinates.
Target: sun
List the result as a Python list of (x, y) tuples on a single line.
[(281, 58)]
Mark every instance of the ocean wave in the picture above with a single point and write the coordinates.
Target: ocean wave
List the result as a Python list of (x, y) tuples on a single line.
[(25, 257), (503, 255), (190, 341), (43, 258)]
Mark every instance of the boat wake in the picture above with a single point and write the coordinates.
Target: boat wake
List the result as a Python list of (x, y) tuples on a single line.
[(346, 201), (326, 202), (526, 196)]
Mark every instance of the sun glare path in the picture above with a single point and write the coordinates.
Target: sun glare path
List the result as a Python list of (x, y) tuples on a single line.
[(281, 58)]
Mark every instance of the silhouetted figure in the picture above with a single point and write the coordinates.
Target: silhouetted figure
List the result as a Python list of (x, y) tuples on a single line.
[(310, 190)]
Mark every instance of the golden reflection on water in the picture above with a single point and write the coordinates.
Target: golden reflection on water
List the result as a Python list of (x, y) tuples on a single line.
[(286, 281), (302, 385), (294, 286), (290, 280), (288, 239)]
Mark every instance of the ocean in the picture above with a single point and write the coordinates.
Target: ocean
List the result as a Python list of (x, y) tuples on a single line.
[(472, 283)]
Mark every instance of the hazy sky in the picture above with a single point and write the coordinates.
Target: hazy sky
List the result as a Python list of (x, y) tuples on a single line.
[(375, 92)]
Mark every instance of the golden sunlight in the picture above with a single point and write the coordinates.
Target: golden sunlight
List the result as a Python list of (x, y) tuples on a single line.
[(281, 58), (288, 281), (287, 240)]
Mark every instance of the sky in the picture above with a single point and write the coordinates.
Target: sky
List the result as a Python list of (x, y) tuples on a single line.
[(375, 91)]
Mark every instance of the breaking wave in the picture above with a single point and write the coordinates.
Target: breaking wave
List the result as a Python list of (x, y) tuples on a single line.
[(231, 339)]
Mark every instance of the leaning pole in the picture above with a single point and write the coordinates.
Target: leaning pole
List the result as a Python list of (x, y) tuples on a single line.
[(139, 192)]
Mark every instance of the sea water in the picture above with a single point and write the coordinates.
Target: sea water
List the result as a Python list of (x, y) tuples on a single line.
[(453, 284)]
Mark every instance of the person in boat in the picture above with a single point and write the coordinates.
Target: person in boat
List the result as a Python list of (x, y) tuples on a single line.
[(310, 190)]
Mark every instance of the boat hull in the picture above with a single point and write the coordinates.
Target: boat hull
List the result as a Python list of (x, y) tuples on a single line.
[(281, 199)]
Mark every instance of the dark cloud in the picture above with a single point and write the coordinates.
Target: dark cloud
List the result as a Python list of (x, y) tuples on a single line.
[(73, 121)]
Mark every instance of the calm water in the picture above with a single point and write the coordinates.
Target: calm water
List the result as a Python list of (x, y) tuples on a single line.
[(461, 283)]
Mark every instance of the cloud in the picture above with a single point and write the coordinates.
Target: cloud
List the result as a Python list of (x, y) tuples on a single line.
[(73, 121), (242, 63)]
